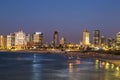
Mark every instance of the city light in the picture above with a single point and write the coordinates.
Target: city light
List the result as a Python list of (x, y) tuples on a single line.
[(70, 67), (22, 41), (117, 68), (59, 39)]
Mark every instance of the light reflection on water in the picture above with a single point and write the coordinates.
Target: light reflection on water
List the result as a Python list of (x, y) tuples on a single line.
[(70, 67), (112, 71), (54, 67), (36, 72)]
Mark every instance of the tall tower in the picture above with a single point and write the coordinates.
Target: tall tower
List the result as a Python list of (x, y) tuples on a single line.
[(96, 37), (102, 41), (86, 37), (63, 41), (38, 39), (56, 39)]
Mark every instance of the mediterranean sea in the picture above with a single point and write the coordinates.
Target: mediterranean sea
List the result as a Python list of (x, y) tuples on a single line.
[(36, 66)]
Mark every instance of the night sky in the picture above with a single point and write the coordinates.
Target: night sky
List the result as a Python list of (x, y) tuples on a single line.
[(69, 17)]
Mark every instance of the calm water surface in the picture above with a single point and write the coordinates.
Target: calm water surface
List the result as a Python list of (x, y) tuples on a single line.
[(28, 66)]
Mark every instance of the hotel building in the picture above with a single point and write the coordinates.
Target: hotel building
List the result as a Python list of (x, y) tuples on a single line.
[(3, 42), (102, 41), (20, 40), (96, 38), (38, 39), (56, 39), (86, 38), (11, 41), (62, 41)]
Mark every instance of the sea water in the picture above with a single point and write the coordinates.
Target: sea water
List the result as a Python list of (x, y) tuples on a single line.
[(36, 66)]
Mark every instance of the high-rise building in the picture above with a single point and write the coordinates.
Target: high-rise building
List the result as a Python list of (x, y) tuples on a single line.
[(111, 43), (2, 42), (118, 41), (56, 39), (86, 38), (38, 39), (11, 41), (96, 37), (29, 41), (28, 37), (103, 41), (118, 38), (20, 40), (8, 42), (62, 41)]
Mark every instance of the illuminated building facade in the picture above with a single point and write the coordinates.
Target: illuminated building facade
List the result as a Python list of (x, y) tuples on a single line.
[(102, 41), (86, 38), (20, 40), (111, 43), (62, 41), (96, 37), (29, 41), (2, 42), (56, 39), (38, 39), (11, 41), (28, 37), (118, 40), (9, 46)]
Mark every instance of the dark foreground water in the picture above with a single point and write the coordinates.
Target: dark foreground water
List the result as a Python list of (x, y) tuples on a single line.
[(28, 66)]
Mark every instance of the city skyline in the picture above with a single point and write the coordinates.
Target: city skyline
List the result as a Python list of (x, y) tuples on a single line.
[(68, 17), (90, 38), (87, 36)]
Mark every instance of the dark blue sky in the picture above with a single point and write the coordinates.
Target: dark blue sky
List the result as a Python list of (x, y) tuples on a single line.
[(70, 17)]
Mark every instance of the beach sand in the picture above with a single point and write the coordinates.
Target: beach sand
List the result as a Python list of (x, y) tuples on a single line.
[(116, 62)]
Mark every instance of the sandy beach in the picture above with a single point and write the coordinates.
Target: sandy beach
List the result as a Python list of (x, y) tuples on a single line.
[(116, 62)]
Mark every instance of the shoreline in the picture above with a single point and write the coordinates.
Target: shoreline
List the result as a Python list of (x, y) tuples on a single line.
[(114, 59), (71, 54), (116, 62)]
